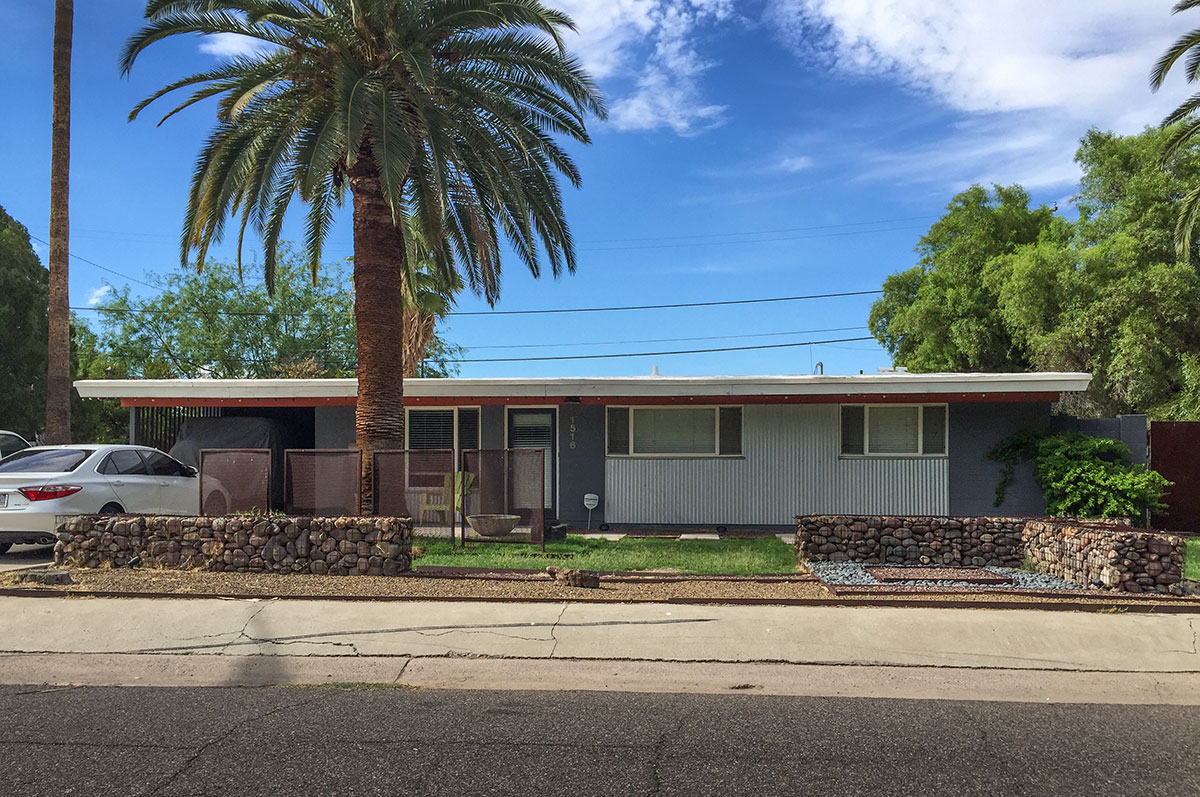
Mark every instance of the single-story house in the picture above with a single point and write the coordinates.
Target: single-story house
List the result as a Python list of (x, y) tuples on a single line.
[(749, 451)]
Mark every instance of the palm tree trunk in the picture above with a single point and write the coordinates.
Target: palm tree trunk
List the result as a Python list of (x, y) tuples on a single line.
[(58, 372), (378, 299)]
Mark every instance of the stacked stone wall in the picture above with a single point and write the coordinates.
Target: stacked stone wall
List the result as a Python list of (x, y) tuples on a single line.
[(910, 540), (1107, 557), (377, 546)]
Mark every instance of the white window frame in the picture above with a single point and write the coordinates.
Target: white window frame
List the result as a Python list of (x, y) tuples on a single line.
[(920, 432), (716, 430), (457, 451)]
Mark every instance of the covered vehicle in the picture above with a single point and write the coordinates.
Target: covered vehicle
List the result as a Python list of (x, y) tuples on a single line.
[(40, 483), (230, 432)]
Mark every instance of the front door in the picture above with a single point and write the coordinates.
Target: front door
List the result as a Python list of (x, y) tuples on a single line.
[(535, 429)]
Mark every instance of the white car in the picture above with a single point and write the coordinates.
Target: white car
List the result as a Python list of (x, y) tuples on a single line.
[(37, 484)]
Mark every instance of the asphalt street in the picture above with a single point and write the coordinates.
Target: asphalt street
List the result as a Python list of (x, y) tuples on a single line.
[(316, 741)]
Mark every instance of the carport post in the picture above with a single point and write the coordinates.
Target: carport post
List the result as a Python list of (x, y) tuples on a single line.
[(133, 426)]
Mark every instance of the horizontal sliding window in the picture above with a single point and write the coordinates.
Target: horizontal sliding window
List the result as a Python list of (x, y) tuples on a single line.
[(674, 431), (894, 430)]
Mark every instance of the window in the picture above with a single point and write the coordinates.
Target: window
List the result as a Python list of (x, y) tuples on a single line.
[(45, 460), (124, 462), (436, 428), (10, 444), (894, 430), (161, 465), (675, 431)]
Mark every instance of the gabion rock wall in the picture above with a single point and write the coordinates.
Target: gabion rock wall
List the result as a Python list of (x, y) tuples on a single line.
[(375, 546)]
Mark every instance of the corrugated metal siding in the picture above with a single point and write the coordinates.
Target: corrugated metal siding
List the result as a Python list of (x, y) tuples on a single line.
[(791, 467)]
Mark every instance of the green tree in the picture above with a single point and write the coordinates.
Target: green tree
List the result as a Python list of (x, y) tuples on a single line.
[(22, 331), (212, 324), (442, 111), (941, 314), (95, 420), (1104, 294)]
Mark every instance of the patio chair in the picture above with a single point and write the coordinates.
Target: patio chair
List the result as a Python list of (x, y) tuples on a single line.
[(449, 500)]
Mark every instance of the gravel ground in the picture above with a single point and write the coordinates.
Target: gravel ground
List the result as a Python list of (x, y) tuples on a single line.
[(536, 586), (183, 582), (851, 573)]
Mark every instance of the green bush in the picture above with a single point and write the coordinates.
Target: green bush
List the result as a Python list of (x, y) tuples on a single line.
[(1082, 476)]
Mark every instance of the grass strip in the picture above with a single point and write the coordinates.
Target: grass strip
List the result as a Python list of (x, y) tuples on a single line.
[(733, 557)]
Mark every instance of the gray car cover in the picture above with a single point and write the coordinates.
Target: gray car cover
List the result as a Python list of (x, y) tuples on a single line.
[(232, 432)]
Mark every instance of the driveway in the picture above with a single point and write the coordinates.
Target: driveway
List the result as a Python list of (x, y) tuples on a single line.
[(26, 556)]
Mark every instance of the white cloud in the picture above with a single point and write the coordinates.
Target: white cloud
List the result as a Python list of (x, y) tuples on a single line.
[(232, 45), (1028, 76), (97, 296), (614, 37), (794, 163)]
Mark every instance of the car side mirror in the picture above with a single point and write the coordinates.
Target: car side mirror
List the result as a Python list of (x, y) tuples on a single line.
[(190, 471)]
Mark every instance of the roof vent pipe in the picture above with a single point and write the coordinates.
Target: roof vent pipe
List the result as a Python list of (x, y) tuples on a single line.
[(654, 371), (819, 368)]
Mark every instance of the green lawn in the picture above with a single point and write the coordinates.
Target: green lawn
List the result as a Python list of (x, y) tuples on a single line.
[(1191, 560), (739, 557)]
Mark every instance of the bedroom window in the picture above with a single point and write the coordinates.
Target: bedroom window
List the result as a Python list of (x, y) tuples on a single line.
[(884, 430), (675, 431)]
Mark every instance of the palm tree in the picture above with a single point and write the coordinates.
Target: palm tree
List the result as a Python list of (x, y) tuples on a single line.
[(442, 111), (1189, 122), (58, 361)]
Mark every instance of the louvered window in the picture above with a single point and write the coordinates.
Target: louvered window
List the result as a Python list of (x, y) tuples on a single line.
[(674, 431), (894, 430)]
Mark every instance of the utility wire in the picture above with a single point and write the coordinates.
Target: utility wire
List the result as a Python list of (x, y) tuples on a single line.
[(661, 353), (659, 340), (724, 303), (749, 241), (102, 268)]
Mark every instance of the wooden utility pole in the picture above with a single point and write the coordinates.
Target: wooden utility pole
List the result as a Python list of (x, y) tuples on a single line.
[(58, 375)]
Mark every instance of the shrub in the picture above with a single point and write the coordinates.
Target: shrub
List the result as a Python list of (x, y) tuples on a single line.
[(1082, 476)]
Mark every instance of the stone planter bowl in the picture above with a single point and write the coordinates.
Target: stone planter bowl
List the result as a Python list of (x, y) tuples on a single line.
[(493, 525)]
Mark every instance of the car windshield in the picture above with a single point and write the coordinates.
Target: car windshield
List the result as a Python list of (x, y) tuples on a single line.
[(45, 460)]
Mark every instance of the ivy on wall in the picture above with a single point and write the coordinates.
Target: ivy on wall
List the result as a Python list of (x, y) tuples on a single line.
[(1081, 475)]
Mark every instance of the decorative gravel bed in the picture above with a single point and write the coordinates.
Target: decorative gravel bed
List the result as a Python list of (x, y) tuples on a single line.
[(854, 574)]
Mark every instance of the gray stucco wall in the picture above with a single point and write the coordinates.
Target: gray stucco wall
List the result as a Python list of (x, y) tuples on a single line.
[(580, 462), (974, 430), (1129, 429), (334, 427)]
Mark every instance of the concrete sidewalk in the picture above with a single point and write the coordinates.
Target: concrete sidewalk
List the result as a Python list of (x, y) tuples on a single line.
[(1028, 640)]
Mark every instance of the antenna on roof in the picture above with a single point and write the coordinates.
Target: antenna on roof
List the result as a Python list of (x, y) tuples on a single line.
[(819, 368)]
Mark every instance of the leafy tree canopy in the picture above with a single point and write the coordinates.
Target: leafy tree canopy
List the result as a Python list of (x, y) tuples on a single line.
[(212, 324), (22, 331), (1020, 289)]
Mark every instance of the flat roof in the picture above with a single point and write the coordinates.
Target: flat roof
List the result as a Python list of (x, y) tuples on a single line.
[(1040, 386)]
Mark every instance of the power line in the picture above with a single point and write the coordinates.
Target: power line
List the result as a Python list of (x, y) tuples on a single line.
[(749, 241), (756, 232), (659, 340), (723, 303), (102, 268), (662, 353)]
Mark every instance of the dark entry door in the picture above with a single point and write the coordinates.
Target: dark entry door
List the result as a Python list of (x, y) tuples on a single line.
[(535, 429)]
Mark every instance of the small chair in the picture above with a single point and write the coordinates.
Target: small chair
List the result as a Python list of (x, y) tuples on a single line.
[(449, 500)]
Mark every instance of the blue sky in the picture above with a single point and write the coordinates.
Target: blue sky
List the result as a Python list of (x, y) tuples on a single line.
[(755, 149)]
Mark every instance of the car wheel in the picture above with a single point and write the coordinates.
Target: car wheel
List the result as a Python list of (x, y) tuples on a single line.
[(112, 509), (215, 505), (4, 546)]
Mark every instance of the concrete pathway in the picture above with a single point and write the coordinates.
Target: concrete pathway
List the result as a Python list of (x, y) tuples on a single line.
[(1030, 640)]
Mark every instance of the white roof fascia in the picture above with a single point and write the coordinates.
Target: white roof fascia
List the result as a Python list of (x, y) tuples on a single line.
[(806, 385)]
